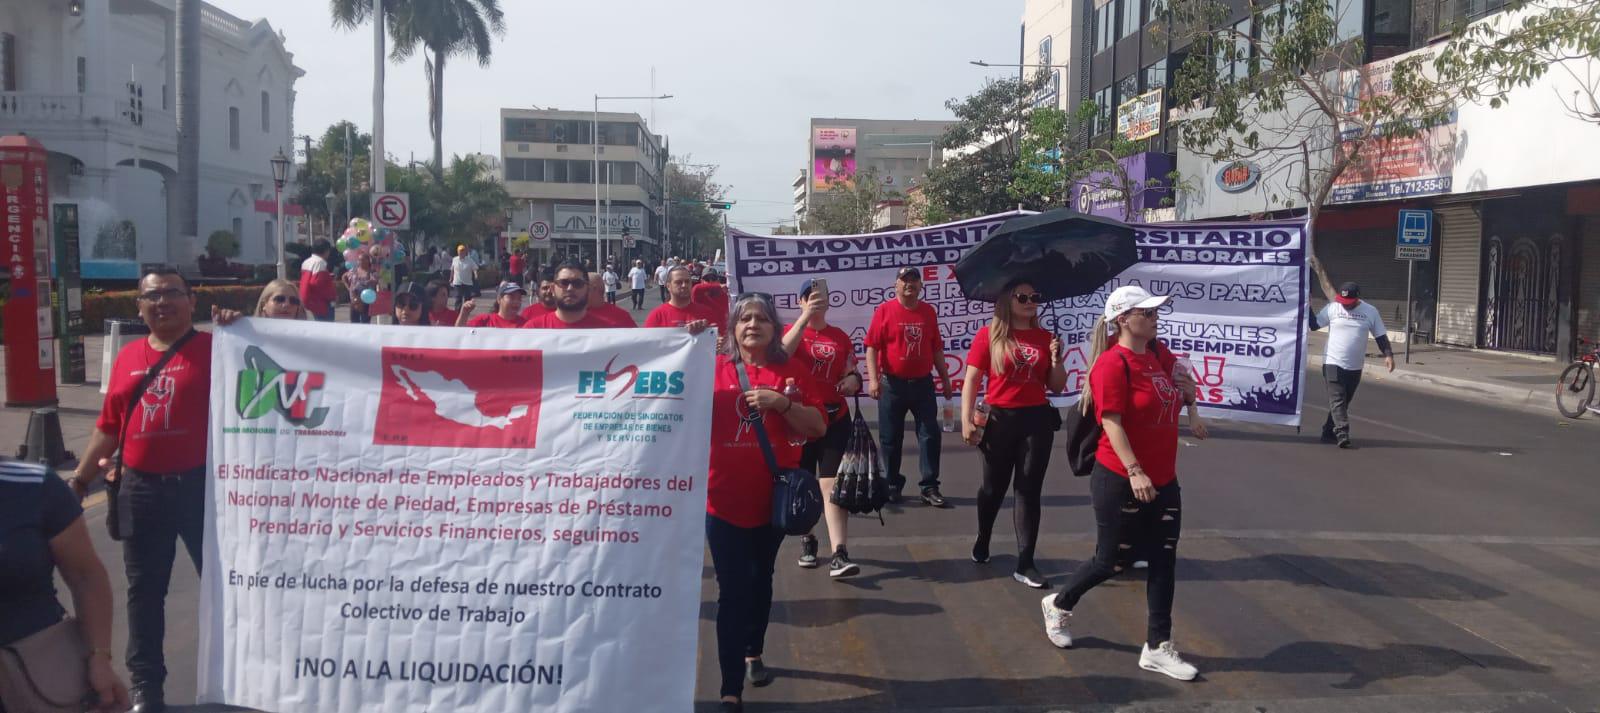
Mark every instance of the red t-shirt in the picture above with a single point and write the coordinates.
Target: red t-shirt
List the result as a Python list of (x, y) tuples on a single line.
[(443, 317), (1149, 403), (826, 354), (616, 316), (739, 486), (552, 320), (905, 339), (493, 319), (167, 433), (534, 311), (1022, 382), (516, 266), (671, 315), (713, 297), (317, 292)]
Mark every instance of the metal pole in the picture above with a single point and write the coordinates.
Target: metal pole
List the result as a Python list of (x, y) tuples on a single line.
[(282, 268), (347, 158), (1411, 266), (594, 140), (608, 201), (379, 159)]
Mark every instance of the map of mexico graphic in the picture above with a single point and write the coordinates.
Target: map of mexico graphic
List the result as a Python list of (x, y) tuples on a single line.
[(473, 398)]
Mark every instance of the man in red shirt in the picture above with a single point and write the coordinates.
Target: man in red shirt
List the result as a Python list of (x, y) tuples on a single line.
[(547, 296), (603, 310), (903, 345), (317, 292), (517, 264), (573, 303), (507, 312), (712, 295), (162, 479), (681, 310)]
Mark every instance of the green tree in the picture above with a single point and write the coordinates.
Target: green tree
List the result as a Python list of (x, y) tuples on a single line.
[(979, 182), (222, 244), (1518, 47), (1052, 162), (324, 173), (695, 228), (1293, 97), (444, 28), (847, 207)]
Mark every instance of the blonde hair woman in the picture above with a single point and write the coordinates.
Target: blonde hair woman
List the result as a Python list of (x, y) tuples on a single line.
[(280, 299), (1021, 364)]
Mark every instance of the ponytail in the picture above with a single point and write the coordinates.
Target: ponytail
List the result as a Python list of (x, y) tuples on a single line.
[(1098, 340)]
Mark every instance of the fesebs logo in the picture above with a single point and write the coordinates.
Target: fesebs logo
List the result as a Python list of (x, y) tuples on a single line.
[(637, 384), (265, 387)]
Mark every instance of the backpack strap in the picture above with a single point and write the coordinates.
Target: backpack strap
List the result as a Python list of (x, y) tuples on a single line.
[(144, 385)]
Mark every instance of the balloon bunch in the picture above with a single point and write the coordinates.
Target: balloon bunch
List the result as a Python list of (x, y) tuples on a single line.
[(361, 238)]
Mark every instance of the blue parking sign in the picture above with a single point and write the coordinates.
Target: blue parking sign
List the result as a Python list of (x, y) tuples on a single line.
[(1414, 236)]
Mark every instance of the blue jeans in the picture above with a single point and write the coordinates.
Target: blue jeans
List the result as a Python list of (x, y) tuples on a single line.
[(744, 558), (917, 397)]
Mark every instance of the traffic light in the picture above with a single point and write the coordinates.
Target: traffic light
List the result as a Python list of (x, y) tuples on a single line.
[(719, 206)]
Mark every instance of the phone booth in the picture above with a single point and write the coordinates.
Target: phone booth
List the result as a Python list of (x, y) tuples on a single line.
[(25, 251)]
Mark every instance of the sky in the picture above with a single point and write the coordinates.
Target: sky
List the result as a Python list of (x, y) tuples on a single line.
[(746, 75)]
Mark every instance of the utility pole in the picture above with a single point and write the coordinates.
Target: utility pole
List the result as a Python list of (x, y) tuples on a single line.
[(379, 158)]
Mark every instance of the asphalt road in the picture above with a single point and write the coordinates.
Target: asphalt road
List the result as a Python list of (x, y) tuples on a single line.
[(1446, 564)]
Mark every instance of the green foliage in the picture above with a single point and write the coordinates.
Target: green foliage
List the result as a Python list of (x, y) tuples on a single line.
[(1516, 49), (444, 28), (461, 206), (324, 172), (847, 207), (222, 244), (979, 183), (1049, 165), (696, 229)]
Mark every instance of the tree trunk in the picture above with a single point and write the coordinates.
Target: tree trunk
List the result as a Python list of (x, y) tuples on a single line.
[(182, 238), (436, 114)]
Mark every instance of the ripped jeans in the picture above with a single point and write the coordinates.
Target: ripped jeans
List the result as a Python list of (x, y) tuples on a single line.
[(1127, 529)]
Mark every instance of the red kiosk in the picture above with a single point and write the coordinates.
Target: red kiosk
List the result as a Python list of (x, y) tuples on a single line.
[(25, 254)]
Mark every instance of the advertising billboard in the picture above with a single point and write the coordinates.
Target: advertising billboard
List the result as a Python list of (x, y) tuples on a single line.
[(1140, 117), (833, 157)]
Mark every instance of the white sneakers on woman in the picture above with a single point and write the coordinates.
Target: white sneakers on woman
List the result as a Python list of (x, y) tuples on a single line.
[(1163, 659)]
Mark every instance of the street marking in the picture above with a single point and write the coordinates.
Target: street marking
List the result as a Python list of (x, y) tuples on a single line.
[(1290, 535), (94, 500)]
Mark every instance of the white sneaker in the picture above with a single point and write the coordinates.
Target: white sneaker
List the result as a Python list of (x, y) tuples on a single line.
[(1055, 622), (1141, 564), (1165, 659)]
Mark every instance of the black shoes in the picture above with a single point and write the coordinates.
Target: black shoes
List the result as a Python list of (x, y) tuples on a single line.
[(1328, 437), (931, 496), (894, 494), (1344, 442), (730, 707), (756, 673), (980, 551), (808, 552), (841, 566), (148, 700)]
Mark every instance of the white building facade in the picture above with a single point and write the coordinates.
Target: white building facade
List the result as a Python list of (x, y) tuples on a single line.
[(98, 89)]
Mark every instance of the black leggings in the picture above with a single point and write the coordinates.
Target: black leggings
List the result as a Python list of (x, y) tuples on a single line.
[(743, 558), (1124, 526), (1017, 442)]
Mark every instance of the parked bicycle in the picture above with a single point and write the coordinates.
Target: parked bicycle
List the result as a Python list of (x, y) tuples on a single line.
[(1575, 390)]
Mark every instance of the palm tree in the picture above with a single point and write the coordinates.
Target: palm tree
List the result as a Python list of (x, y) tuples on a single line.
[(443, 28)]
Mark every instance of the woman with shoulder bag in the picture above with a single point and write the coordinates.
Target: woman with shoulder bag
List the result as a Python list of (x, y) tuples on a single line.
[(48, 661), (1137, 395), (1021, 364), (744, 544)]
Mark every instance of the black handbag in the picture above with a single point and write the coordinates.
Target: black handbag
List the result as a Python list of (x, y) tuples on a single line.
[(796, 494), (118, 522), (1083, 434)]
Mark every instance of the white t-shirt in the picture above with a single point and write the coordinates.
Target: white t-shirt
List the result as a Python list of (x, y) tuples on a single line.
[(637, 277), (661, 275), (463, 271), (1347, 333), (612, 281), (314, 264)]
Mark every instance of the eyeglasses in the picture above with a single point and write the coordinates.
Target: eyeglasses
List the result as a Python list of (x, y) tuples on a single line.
[(763, 296), (572, 284), (158, 296), (285, 299), (1034, 297)]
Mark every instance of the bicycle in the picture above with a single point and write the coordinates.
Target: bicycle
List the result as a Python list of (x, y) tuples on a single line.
[(1575, 389)]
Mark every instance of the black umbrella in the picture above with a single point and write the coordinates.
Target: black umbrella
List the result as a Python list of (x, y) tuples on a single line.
[(1062, 253)]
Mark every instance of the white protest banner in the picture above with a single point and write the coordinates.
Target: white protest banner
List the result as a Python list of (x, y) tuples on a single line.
[(430, 519), (1238, 312)]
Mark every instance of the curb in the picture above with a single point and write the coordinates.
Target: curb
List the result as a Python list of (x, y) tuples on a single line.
[(1540, 399)]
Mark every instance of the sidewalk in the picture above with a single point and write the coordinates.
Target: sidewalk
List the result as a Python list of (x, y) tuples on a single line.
[(1514, 380)]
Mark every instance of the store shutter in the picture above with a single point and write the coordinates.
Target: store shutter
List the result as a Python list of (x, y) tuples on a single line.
[(1460, 255)]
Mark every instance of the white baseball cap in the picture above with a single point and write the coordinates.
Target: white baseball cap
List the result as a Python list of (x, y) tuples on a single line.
[(1129, 297)]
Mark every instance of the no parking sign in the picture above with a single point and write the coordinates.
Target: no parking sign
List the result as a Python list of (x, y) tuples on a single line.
[(392, 210)]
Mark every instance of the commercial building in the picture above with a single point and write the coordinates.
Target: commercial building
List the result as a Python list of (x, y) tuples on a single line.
[(1515, 264), (898, 152), (549, 158), (95, 83)]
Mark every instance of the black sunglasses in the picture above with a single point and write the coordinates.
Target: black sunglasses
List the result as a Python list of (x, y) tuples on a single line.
[(572, 284), (1035, 298), (286, 299), (763, 296)]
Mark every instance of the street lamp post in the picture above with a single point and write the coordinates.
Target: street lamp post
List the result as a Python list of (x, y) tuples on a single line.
[(594, 140), (280, 173), (331, 200)]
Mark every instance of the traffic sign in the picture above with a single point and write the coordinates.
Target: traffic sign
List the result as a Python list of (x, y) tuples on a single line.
[(539, 231), (627, 240), (392, 210), (1414, 235)]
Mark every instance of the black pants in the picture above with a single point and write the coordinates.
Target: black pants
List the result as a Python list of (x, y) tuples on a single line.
[(163, 510), (464, 293), (822, 456), (663, 293), (743, 558), (360, 312), (917, 397), (1342, 385), (1124, 526), (1016, 442), (638, 298)]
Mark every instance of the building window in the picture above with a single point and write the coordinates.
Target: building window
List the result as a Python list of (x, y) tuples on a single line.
[(1045, 54), (1130, 17), (580, 172), (534, 170), (83, 75), (521, 130), (1239, 68), (1267, 32), (1348, 14), (1104, 108), (165, 102), (1154, 76), (515, 170), (556, 171), (1127, 88), (266, 112), (238, 229), (8, 62), (233, 128), (1105, 25)]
